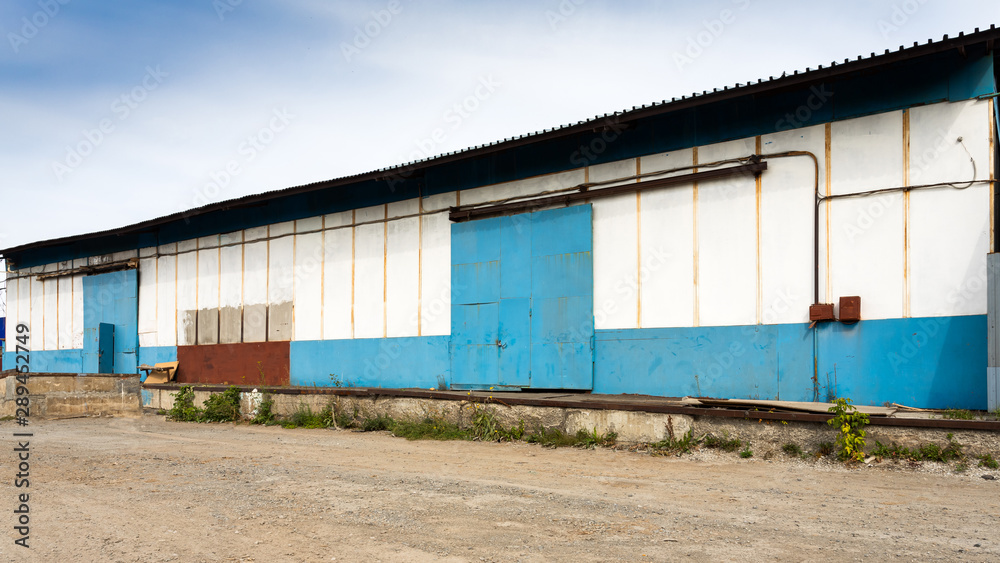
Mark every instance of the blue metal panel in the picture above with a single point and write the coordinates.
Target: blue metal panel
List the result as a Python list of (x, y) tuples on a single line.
[(49, 361), (515, 264), (474, 351), (558, 275), (927, 362), (111, 298), (562, 298), (371, 362), (541, 298), (515, 349)]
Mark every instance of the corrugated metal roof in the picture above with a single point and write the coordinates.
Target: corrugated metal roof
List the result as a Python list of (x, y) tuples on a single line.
[(636, 112)]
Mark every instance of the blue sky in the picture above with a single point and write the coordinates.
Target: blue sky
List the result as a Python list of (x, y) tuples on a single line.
[(115, 112)]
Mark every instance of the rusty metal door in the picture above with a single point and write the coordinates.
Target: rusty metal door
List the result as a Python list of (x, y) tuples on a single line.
[(522, 309)]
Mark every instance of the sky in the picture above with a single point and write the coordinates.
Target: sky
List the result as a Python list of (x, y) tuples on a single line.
[(118, 111)]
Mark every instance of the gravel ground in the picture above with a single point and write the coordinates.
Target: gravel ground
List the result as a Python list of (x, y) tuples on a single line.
[(144, 489)]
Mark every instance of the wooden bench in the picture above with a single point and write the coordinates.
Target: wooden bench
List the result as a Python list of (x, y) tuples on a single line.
[(160, 373)]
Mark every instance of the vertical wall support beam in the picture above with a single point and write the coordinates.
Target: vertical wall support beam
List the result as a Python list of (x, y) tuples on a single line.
[(906, 214), (760, 280), (993, 337), (696, 320)]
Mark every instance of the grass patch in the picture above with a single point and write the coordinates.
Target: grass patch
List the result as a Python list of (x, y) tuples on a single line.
[(724, 443), (825, 449), (959, 414), (674, 446), (304, 417), (988, 462), (792, 449), (926, 452), (746, 453), (486, 426), (426, 429)]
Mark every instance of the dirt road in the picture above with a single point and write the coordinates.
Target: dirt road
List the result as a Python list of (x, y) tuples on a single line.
[(145, 489)]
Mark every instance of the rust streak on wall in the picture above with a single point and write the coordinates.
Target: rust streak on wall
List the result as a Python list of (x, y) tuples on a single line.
[(234, 364)]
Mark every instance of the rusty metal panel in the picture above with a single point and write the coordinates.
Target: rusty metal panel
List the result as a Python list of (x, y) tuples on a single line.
[(259, 363), (821, 312), (850, 309)]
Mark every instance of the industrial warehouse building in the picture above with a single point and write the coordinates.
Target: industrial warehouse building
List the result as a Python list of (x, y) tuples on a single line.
[(699, 246)]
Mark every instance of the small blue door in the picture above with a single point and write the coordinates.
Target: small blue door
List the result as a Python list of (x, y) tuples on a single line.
[(522, 309), (105, 348)]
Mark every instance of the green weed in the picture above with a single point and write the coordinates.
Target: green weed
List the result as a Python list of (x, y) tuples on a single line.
[(851, 424), (988, 462), (792, 450), (959, 414), (724, 443), (746, 453)]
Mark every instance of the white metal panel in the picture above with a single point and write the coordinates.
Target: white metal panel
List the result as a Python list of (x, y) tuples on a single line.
[(231, 238), (866, 233), (435, 273), (187, 245), (615, 262), (255, 233), (280, 287), (369, 296), (401, 208), (281, 229), (77, 312), (786, 233), (402, 276), (12, 307), (949, 228), (369, 214), (255, 274), (337, 279), (339, 219), (147, 302), (231, 276), (527, 186), (309, 224), (167, 248), (187, 297), (166, 300), (867, 153), (254, 290), (124, 255), (208, 279), (666, 272), (51, 288), (210, 241), (24, 305), (65, 314), (37, 314), (440, 201), (308, 281), (727, 241), (143, 253)]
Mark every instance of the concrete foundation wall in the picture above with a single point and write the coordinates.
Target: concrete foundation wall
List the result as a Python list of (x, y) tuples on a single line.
[(60, 395)]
